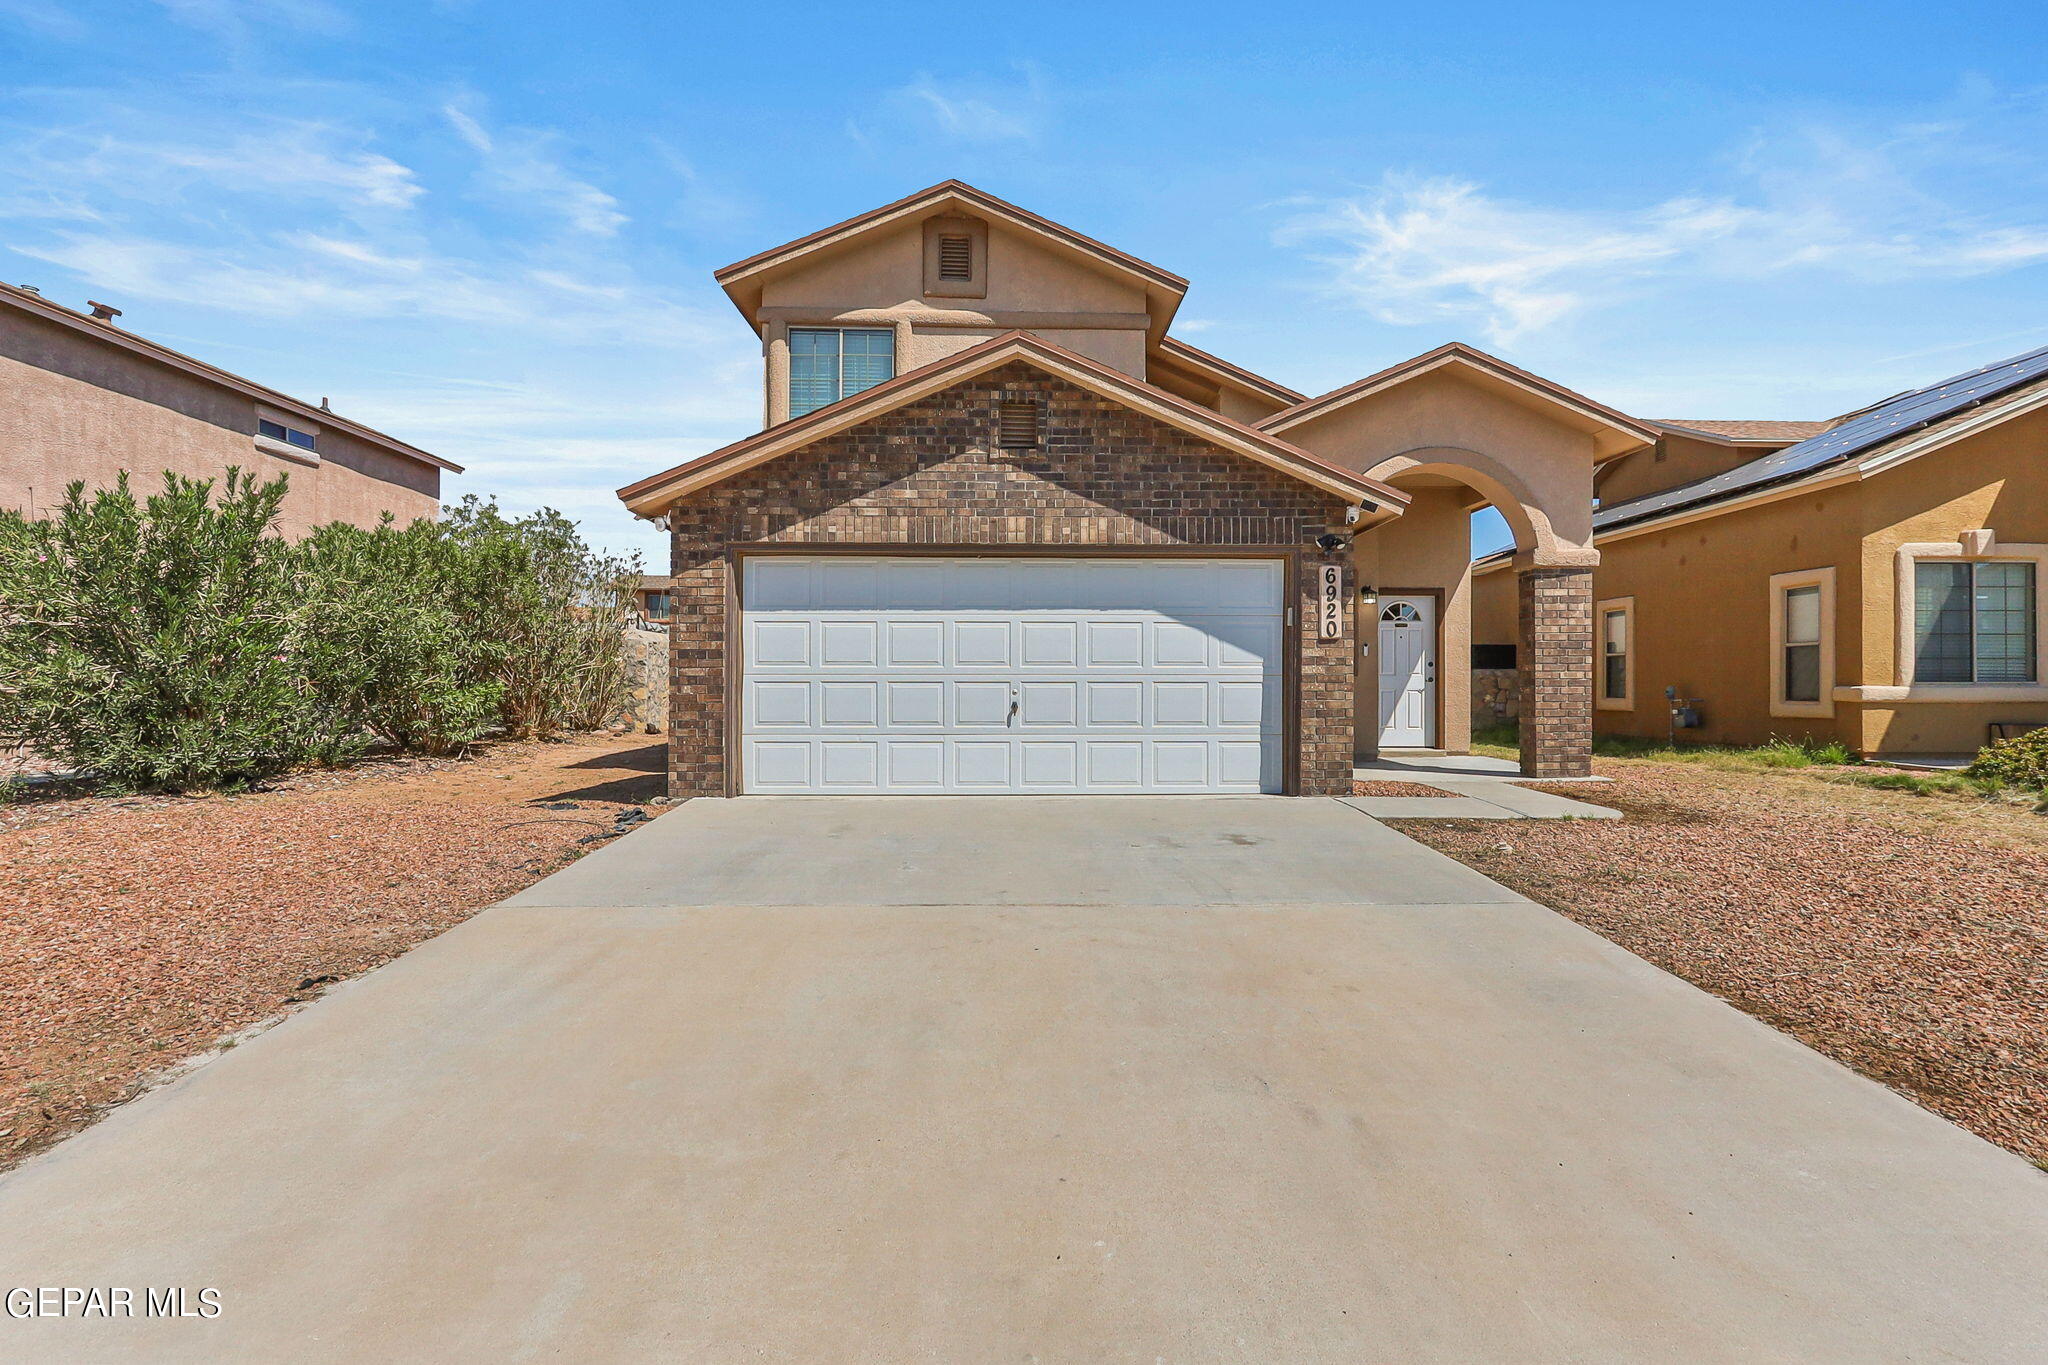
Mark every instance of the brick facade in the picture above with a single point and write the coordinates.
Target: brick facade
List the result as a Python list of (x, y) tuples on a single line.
[(1556, 666), (928, 475)]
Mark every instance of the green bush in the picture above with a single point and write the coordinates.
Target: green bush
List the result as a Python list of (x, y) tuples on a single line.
[(546, 616), (178, 643), (2020, 762), (153, 643), (383, 640)]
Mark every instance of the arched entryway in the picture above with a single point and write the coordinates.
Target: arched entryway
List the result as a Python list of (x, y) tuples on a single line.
[(1457, 430)]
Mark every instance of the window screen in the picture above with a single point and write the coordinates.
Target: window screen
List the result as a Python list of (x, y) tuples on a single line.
[(1802, 644), (1614, 664), (1974, 622), (828, 364)]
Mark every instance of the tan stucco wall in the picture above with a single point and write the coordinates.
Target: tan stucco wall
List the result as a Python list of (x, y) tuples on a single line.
[(1425, 548), (879, 281), (1495, 611), (1702, 595), (1515, 453), (1673, 461), (72, 408)]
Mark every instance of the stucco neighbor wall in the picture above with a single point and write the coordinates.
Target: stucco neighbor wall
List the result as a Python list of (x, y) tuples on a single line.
[(1702, 596), (927, 476), (75, 408)]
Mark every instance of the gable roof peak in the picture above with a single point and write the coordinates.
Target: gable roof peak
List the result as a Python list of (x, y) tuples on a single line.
[(652, 495)]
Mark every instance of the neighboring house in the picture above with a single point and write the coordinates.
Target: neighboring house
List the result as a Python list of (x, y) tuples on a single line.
[(1875, 581), (82, 398), (1003, 533), (653, 600)]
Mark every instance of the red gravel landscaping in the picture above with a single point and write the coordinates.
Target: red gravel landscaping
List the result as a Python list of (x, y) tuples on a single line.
[(138, 931), (1904, 936), (1391, 788)]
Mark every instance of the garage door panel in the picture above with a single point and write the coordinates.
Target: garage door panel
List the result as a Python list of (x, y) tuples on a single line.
[(849, 644), (915, 705), (914, 644), (1050, 764), (849, 704), (1113, 765), (981, 644), (779, 644), (852, 585), (1115, 644), (917, 763), (899, 675), (1048, 703), (1183, 704), (985, 704), (780, 703), (780, 584), (981, 764), (1246, 642), (1181, 763), (1049, 644)]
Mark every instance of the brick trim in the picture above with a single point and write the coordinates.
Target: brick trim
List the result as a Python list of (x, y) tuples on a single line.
[(928, 478), (1556, 668)]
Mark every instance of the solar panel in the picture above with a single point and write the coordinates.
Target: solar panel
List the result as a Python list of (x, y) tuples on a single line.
[(1891, 418)]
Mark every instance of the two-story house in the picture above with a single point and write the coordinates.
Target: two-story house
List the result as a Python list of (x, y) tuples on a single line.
[(82, 398), (1002, 532)]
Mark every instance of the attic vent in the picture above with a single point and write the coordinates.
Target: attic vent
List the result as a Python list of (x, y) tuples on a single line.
[(956, 258), (1017, 426)]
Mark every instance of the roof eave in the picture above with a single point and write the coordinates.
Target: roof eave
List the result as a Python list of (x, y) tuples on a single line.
[(1632, 432), (37, 306), (653, 495)]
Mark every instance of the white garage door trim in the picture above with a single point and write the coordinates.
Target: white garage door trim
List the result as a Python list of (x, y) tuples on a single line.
[(957, 675)]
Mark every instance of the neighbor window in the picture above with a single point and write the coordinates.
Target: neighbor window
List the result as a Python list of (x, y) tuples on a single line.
[(1617, 661), (658, 605), (1802, 643), (827, 364), (278, 431), (1973, 621)]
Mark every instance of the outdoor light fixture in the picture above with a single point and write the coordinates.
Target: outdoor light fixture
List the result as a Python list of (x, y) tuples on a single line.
[(1329, 542)]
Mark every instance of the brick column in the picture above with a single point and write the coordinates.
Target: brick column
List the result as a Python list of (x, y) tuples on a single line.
[(696, 678), (1556, 667)]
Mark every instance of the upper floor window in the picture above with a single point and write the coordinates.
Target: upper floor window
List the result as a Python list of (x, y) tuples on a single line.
[(827, 364), (1973, 621), (290, 435)]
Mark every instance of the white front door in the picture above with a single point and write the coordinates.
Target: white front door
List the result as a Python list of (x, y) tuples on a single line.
[(1407, 672), (998, 675)]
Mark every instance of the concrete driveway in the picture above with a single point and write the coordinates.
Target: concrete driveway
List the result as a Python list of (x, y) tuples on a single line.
[(1059, 1080)]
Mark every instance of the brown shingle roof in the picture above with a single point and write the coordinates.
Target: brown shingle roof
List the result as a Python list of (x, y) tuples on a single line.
[(1745, 429)]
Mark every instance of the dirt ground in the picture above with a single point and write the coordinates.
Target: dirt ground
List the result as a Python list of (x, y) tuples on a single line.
[(136, 932), (1904, 936)]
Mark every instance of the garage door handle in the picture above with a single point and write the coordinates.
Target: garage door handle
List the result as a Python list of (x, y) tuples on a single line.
[(1011, 719)]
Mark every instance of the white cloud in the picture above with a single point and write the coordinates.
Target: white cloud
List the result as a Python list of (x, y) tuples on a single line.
[(236, 21), (48, 20), (1442, 249), (975, 111), (519, 165), (114, 160)]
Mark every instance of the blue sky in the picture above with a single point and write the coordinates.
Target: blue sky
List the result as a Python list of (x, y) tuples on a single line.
[(488, 229)]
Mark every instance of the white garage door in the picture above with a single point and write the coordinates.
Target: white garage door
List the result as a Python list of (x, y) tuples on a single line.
[(1011, 675)]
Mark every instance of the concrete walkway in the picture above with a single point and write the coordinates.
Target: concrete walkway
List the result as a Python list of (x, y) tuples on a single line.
[(751, 1085)]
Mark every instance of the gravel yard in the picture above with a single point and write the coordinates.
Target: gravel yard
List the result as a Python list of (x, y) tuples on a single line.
[(136, 932), (1904, 936)]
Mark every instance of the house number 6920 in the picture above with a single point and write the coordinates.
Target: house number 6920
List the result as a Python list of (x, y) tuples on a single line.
[(1330, 603)]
